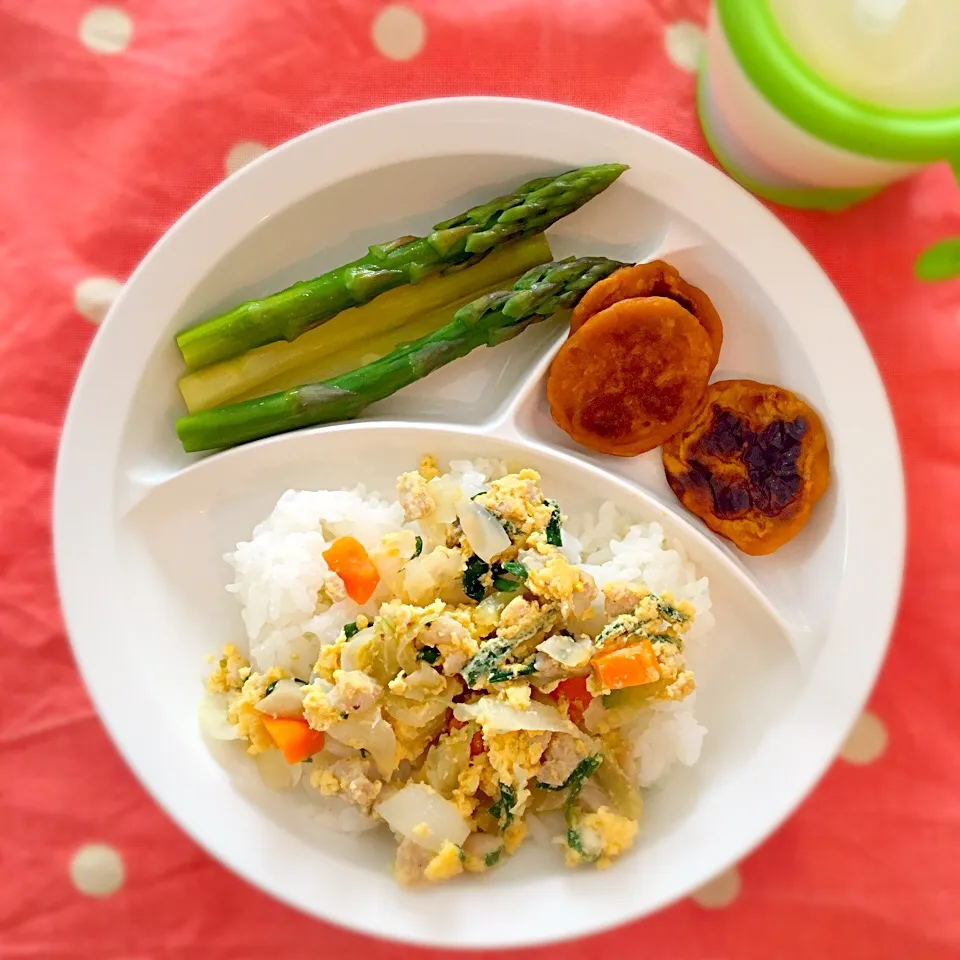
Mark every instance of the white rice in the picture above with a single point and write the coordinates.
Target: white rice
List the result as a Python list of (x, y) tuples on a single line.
[(279, 571)]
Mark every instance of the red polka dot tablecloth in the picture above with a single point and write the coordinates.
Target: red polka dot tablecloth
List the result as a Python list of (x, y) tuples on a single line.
[(115, 119)]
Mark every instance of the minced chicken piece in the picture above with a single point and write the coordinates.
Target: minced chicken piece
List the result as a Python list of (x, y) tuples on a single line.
[(622, 597), (349, 778), (414, 496), (232, 670), (560, 759), (411, 863)]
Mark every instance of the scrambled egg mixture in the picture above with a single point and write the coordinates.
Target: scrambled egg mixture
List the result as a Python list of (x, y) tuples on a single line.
[(495, 681)]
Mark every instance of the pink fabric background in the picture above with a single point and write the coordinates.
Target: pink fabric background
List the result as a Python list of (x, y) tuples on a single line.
[(101, 152)]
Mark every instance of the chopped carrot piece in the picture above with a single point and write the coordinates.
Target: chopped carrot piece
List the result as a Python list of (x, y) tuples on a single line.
[(628, 666), (574, 691), (295, 738), (351, 563)]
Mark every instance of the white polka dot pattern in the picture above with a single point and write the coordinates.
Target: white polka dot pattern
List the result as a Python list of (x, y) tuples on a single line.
[(240, 154), (398, 32), (106, 30), (684, 42), (720, 892), (97, 870), (94, 296), (866, 741)]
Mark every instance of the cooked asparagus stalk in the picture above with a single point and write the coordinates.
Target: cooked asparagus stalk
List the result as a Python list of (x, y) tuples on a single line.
[(360, 352), (227, 381), (487, 321), (464, 239)]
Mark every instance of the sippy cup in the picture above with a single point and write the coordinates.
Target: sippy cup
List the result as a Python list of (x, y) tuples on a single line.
[(822, 103)]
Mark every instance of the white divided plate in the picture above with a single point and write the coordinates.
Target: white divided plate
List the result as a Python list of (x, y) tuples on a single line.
[(140, 527)]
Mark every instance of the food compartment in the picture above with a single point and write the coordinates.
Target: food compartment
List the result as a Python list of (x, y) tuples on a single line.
[(801, 577), (179, 602), (336, 225)]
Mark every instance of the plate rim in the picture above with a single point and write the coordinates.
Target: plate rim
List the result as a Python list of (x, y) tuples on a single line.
[(76, 435)]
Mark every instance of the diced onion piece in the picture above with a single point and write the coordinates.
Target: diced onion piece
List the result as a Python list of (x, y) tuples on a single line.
[(568, 651), (425, 682), (369, 731), (445, 495), (390, 555), (412, 712), (483, 530), (498, 716), (284, 700), (350, 654), (486, 616), (213, 717), (445, 762), (434, 575), (420, 814), (275, 772)]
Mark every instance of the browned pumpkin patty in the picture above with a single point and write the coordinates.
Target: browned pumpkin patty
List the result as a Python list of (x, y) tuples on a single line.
[(752, 463), (653, 279), (631, 377)]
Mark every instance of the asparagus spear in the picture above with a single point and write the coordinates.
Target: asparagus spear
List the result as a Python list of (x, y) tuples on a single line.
[(462, 240), (486, 321), (226, 382)]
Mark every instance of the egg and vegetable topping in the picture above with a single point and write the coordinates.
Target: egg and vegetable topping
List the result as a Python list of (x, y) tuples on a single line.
[(492, 681)]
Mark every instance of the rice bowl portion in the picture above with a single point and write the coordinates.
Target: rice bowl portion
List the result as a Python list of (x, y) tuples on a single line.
[(464, 664)]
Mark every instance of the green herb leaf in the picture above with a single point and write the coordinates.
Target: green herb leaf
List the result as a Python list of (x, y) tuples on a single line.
[(350, 630), (511, 672), (502, 810), (580, 774), (493, 858), (472, 587), (509, 577), (492, 652), (554, 537), (419, 550), (669, 612), (576, 845)]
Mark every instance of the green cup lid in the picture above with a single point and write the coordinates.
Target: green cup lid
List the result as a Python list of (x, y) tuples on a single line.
[(818, 105)]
